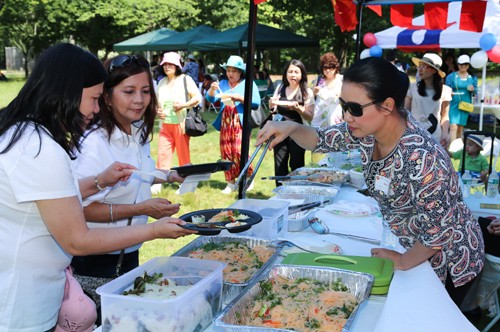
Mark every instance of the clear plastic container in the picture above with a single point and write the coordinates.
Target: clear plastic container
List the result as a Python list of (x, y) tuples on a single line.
[(492, 184), (274, 217), (389, 240), (192, 310)]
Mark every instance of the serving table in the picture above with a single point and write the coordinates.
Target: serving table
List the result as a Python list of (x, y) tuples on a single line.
[(417, 300)]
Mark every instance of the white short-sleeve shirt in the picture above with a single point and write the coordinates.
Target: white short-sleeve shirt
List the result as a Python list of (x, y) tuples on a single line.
[(32, 263), (97, 153)]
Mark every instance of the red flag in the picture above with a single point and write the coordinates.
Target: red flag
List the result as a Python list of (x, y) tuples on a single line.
[(402, 15), (472, 16), (377, 9), (345, 14), (256, 2), (436, 15)]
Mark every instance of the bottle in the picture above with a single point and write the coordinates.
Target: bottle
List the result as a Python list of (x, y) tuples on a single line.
[(467, 183), (389, 240), (492, 184)]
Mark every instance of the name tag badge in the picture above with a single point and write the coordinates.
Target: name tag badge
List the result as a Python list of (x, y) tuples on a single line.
[(382, 184)]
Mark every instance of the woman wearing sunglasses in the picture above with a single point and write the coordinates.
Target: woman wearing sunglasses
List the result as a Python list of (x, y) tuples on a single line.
[(428, 100), (123, 131), (295, 102), (41, 214), (406, 171)]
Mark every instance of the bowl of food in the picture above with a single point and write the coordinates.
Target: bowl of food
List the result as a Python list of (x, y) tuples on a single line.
[(356, 177)]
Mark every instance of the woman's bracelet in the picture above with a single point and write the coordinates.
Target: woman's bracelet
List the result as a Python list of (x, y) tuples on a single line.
[(169, 172), (111, 212), (96, 182)]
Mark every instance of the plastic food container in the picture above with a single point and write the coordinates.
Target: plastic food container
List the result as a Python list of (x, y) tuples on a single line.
[(192, 310), (358, 283), (274, 217)]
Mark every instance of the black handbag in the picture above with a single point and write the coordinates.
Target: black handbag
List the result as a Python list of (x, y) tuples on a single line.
[(194, 125), (257, 117)]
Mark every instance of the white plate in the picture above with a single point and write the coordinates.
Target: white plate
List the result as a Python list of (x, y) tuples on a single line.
[(283, 103)]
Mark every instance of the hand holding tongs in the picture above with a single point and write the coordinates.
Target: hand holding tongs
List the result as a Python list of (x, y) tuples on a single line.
[(277, 117)]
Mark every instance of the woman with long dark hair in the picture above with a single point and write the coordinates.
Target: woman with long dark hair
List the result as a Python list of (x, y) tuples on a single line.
[(406, 171), (123, 131), (295, 102), (41, 217), (429, 99)]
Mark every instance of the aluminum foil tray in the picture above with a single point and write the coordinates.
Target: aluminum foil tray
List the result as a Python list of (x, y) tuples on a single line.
[(342, 175), (310, 193), (360, 285), (231, 290)]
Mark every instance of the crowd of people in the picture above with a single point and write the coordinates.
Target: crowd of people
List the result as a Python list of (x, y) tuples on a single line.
[(85, 129)]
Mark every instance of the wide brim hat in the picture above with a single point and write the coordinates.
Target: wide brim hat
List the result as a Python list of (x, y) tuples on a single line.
[(171, 57), (432, 60), (236, 62), (476, 140), (191, 56)]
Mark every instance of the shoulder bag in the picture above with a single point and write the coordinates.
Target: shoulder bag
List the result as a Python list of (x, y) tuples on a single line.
[(193, 123), (463, 105)]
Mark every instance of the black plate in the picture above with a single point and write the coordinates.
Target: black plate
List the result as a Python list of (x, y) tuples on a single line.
[(254, 218), (203, 168)]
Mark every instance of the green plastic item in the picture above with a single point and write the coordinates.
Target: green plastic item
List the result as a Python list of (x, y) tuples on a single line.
[(382, 269)]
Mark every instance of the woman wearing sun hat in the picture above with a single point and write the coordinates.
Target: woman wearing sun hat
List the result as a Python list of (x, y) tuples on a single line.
[(229, 121), (429, 99), (177, 92), (464, 86)]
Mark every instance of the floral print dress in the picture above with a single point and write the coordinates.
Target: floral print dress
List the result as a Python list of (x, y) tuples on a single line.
[(420, 199)]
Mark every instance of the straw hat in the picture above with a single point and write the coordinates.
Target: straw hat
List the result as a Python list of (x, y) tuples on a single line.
[(432, 60), (173, 58), (236, 62)]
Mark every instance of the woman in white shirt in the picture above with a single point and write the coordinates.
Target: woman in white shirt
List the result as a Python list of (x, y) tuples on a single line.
[(41, 219), (123, 132), (429, 99)]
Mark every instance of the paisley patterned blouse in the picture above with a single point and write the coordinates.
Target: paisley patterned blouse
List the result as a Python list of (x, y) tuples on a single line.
[(420, 197)]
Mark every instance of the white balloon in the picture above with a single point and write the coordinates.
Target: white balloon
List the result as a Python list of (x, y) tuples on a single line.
[(479, 59), (365, 53)]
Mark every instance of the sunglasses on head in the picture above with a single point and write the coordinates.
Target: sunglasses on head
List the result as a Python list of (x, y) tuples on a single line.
[(354, 109), (122, 61)]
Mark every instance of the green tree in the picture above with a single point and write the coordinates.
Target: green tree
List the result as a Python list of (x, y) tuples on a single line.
[(32, 25)]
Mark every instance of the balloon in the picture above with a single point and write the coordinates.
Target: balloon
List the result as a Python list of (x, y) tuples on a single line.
[(494, 54), (479, 59), (365, 53), (487, 41), (369, 39), (376, 51)]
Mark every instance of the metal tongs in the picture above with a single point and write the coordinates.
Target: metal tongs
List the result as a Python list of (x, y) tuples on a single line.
[(276, 117)]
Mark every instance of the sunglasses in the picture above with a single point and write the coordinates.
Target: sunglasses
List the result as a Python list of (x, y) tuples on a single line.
[(354, 109), (122, 61), (329, 67)]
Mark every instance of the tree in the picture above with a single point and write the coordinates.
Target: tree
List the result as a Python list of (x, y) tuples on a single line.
[(32, 25)]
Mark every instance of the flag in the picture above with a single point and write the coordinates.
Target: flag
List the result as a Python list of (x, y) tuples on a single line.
[(405, 40), (472, 16), (344, 12), (256, 2), (377, 9), (402, 15), (436, 15)]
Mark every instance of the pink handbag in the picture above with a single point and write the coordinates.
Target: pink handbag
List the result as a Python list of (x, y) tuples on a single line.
[(78, 312)]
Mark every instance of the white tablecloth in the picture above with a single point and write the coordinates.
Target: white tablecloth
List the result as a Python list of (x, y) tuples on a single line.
[(417, 300)]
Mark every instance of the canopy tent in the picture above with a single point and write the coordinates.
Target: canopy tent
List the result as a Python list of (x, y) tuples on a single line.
[(452, 37), (265, 37), (144, 42), (181, 40)]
